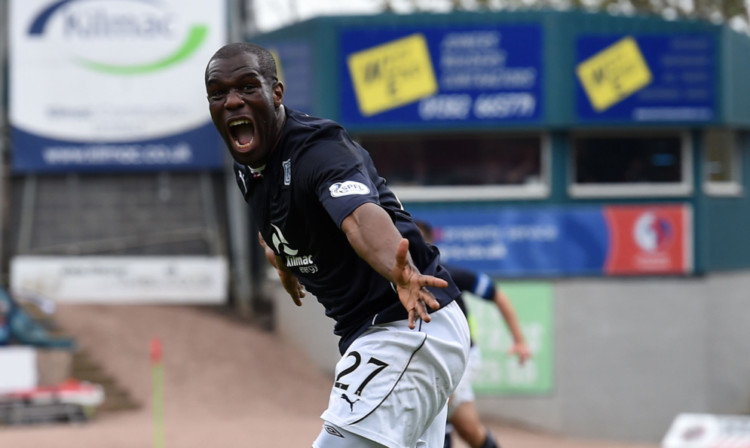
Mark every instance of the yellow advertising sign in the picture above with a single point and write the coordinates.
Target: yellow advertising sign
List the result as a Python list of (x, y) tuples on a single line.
[(392, 74), (614, 73)]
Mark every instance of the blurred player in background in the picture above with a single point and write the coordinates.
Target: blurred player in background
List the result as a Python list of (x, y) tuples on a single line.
[(462, 412), (330, 225)]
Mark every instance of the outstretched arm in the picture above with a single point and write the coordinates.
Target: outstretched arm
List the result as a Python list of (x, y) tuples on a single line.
[(288, 280), (519, 347), (374, 237)]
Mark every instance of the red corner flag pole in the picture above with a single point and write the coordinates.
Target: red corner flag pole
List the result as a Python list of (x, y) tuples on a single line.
[(158, 392)]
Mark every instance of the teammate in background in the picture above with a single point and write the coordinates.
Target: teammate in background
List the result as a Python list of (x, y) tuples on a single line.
[(462, 412), (330, 225)]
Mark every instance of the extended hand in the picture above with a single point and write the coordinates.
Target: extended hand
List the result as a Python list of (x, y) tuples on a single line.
[(522, 351), (288, 280), (292, 286), (410, 285)]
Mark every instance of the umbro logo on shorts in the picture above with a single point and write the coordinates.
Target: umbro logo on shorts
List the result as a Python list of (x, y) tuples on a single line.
[(333, 431)]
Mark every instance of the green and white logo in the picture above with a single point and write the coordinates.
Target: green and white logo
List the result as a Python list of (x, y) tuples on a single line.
[(92, 28), (91, 71)]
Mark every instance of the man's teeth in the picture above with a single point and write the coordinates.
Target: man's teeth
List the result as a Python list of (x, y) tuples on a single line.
[(238, 122)]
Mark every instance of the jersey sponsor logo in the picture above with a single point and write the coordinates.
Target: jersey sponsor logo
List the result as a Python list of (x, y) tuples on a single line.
[(280, 243), (305, 260), (304, 263), (348, 188)]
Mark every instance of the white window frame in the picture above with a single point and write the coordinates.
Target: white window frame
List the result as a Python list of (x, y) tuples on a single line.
[(438, 193), (728, 188), (635, 189)]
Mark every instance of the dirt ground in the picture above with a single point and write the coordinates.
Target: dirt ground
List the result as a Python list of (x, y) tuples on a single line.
[(227, 384)]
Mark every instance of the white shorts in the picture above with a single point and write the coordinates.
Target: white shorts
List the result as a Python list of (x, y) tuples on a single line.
[(464, 392), (393, 382)]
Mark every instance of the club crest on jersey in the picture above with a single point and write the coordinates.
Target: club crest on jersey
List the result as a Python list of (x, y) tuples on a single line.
[(287, 165), (348, 188)]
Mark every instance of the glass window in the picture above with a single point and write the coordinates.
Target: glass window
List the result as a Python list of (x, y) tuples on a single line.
[(722, 162), (460, 167), (623, 165)]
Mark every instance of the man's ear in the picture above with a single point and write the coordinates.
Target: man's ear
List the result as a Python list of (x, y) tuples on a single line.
[(278, 93)]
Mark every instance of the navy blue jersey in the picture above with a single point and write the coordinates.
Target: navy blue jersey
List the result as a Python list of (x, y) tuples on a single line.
[(477, 283), (316, 177)]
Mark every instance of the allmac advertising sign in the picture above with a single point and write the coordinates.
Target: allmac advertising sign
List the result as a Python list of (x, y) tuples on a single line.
[(112, 85), (646, 78), (549, 241), (441, 76)]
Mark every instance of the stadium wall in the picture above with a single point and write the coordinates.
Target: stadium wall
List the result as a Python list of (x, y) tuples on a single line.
[(631, 349)]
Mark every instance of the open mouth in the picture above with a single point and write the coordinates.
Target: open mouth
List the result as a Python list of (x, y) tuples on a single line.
[(242, 132)]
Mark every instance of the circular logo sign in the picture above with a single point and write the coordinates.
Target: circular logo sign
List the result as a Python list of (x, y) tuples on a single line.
[(652, 233)]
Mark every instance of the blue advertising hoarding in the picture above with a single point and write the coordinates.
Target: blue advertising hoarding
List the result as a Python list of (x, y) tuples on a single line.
[(655, 78), (441, 75), (295, 68), (555, 241), (195, 149)]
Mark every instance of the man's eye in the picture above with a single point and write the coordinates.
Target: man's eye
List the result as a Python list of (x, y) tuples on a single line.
[(248, 88), (217, 94)]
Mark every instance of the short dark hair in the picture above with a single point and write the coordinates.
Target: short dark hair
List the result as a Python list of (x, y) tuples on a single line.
[(265, 58)]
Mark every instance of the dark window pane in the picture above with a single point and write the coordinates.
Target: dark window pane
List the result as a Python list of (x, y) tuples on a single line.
[(456, 160), (614, 160)]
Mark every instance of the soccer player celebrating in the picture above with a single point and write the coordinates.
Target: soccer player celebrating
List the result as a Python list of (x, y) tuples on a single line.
[(331, 226)]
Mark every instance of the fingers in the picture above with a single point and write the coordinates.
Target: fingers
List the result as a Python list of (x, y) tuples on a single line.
[(428, 299), (436, 282), (522, 353), (412, 319), (402, 251), (402, 265), (293, 287), (297, 294), (418, 312), (300, 293), (296, 299), (412, 286)]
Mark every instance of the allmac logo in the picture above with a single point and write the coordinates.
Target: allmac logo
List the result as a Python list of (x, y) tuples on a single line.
[(119, 37)]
